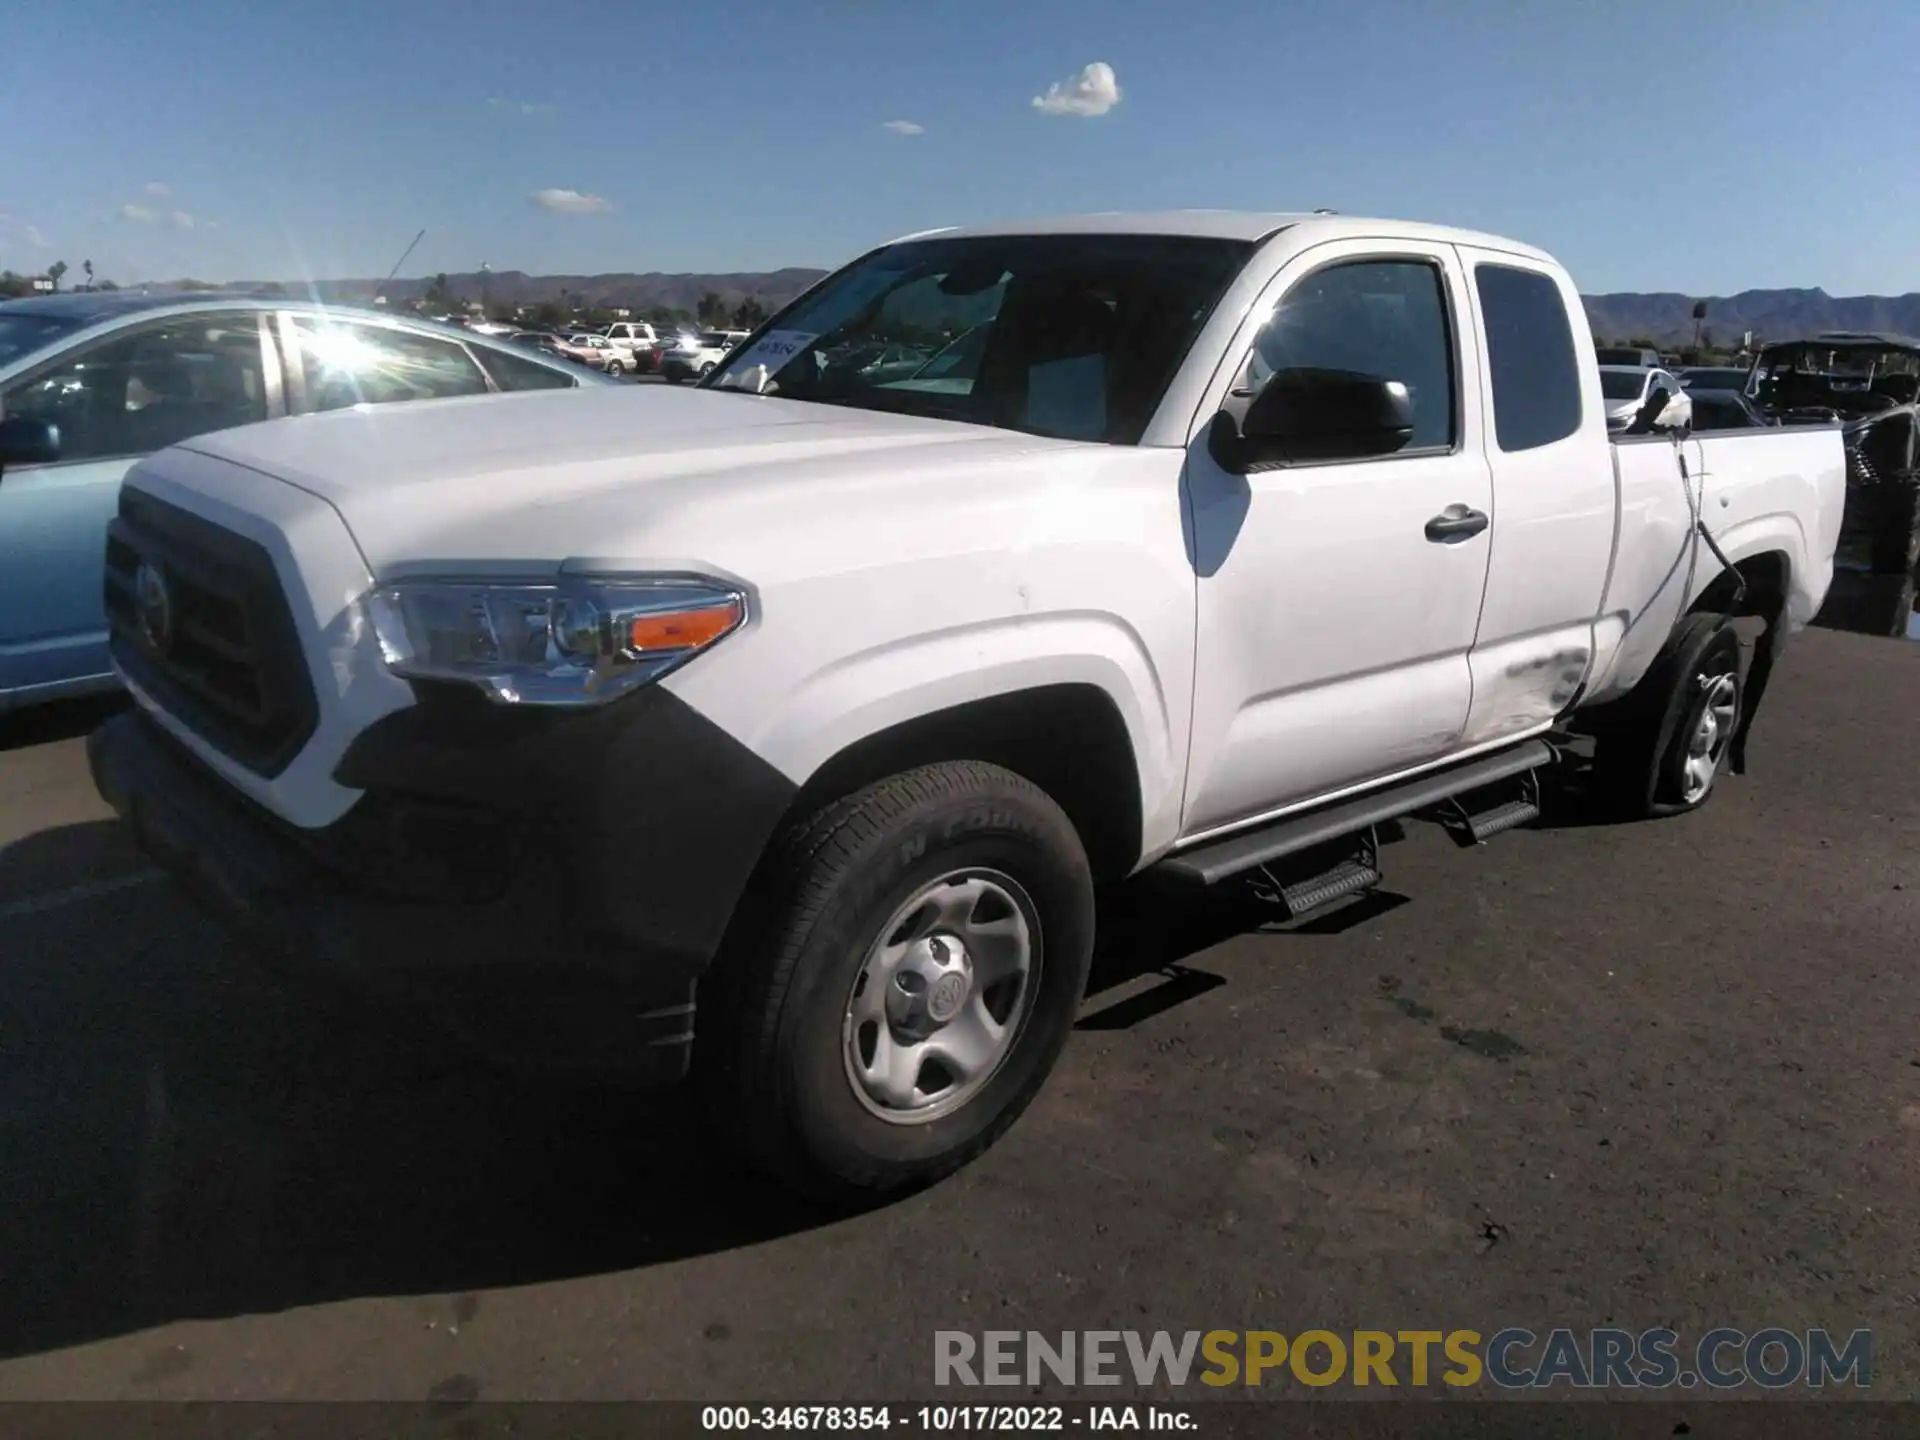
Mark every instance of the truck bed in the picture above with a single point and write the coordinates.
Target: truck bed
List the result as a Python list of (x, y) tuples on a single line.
[(1749, 488)]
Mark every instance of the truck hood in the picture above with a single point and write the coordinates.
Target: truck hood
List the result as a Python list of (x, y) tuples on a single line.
[(425, 480)]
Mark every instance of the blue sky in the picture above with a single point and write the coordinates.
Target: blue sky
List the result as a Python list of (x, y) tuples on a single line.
[(1651, 146)]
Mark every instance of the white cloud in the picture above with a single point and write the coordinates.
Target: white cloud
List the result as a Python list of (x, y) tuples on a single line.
[(181, 220), (1094, 91), (36, 239), (570, 202), (903, 127), (155, 187), (136, 212), (524, 107)]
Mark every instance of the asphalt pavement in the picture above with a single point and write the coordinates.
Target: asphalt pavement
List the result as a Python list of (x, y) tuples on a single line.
[(1665, 1073)]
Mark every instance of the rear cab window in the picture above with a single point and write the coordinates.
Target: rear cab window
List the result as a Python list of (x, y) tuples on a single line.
[(1532, 365)]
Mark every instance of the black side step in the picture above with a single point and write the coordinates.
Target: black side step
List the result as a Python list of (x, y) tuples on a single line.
[(1359, 871), (1469, 826), (1216, 860)]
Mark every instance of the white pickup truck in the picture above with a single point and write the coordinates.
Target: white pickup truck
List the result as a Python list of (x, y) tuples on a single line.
[(778, 731)]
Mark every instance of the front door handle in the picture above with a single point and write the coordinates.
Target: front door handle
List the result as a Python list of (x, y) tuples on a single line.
[(1456, 523)]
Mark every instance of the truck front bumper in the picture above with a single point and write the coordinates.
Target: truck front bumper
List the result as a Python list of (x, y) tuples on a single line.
[(542, 938)]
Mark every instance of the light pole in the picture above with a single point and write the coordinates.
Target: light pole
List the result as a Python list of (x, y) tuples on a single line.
[(486, 301)]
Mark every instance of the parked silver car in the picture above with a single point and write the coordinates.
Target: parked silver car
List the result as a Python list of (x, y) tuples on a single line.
[(91, 382)]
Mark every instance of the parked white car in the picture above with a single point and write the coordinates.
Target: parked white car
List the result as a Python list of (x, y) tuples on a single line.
[(778, 731), (693, 357), (1628, 389), (587, 348), (637, 342)]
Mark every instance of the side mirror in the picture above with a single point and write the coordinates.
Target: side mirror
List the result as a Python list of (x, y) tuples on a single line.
[(25, 440), (1304, 415)]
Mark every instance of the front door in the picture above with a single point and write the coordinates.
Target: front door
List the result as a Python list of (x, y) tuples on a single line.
[(114, 401), (1335, 619)]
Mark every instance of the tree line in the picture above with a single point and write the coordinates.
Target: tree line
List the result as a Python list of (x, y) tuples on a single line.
[(13, 286), (711, 311)]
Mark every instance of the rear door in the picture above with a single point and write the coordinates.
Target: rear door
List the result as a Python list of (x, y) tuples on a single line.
[(1553, 496), (1334, 620), (115, 399)]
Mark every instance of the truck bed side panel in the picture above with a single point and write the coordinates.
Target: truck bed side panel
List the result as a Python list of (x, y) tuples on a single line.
[(1759, 492), (1778, 490)]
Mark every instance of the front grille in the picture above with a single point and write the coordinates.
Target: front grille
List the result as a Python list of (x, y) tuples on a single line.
[(221, 654)]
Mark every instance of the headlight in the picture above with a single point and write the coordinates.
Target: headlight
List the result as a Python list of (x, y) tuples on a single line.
[(573, 642)]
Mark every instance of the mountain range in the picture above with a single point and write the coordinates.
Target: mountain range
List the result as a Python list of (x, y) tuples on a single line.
[(1769, 314), (1665, 318)]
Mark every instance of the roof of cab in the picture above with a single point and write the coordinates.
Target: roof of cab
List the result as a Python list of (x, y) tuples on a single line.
[(1236, 225)]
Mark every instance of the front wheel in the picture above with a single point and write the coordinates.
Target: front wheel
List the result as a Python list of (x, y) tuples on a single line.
[(615, 369), (706, 369), (916, 970), (1665, 755)]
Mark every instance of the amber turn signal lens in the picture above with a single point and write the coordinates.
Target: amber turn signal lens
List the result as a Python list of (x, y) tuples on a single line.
[(683, 629)]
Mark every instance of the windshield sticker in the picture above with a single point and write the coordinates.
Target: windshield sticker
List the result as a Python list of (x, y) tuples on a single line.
[(769, 353)]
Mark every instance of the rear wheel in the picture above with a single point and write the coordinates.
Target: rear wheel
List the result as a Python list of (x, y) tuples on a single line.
[(706, 369), (910, 982), (1664, 754)]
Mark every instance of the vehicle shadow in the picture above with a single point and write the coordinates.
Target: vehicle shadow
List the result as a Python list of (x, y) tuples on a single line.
[(57, 720), (191, 1134)]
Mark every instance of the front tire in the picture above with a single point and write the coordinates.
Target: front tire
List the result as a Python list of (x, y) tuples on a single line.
[(912, 974), (1665, 754)]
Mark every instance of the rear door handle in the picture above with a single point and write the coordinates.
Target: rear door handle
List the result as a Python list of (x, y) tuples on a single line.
[(1456, 523)]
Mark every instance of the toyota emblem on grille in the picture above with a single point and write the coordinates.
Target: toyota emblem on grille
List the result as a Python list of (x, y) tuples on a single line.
[(153, 604)]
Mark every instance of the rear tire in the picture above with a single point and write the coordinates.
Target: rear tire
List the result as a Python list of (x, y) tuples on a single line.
[(1665, 752), (886, 944)]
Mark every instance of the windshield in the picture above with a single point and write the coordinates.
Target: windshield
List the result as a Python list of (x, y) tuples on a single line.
[(960, 359), (1622, 384), (22, 334), (1078, 336)]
